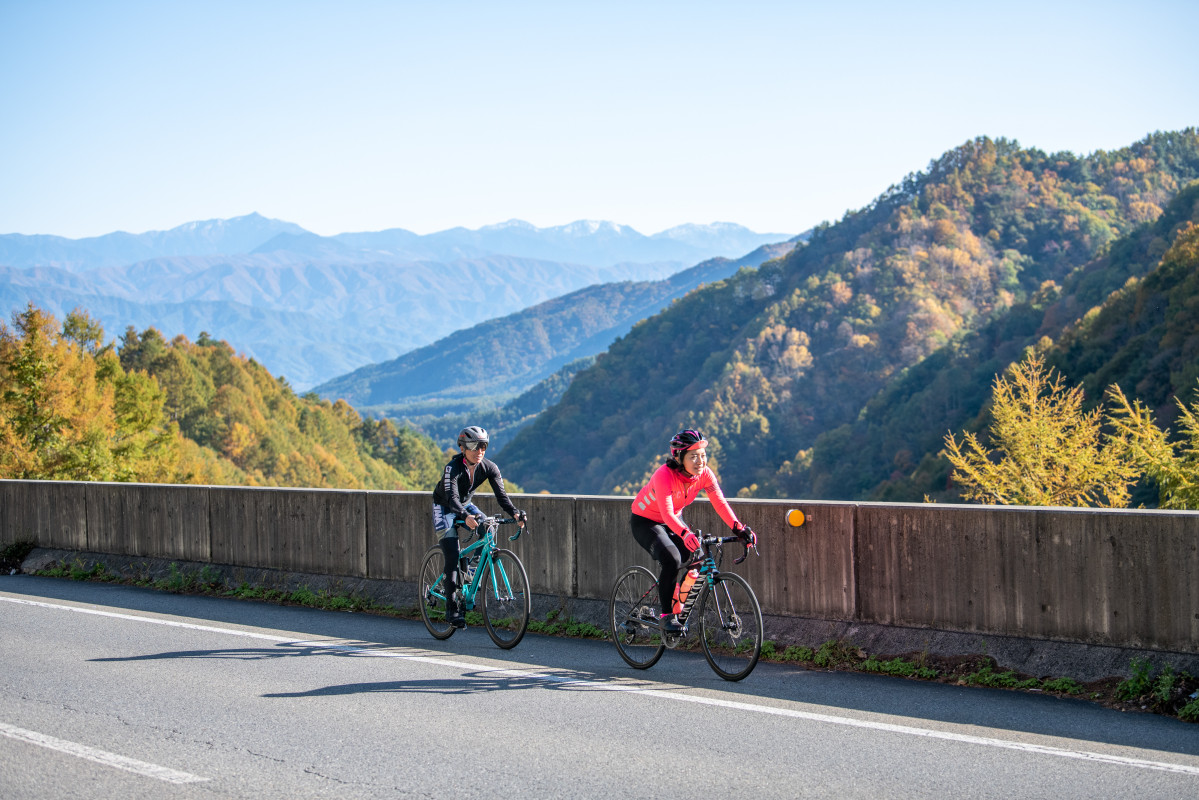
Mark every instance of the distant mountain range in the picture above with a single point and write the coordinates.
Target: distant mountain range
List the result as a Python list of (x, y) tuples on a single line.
[(311, 308), (508, 355), (209, 238), (307, 321), (596, 244)]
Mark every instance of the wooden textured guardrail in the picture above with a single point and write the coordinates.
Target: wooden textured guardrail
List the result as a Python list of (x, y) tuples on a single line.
[(1127, 578)]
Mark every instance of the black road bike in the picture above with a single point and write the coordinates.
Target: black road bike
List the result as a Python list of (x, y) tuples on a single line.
[(721, 608)]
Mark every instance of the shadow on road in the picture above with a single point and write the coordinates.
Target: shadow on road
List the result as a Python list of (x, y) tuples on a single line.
[(468, 683)]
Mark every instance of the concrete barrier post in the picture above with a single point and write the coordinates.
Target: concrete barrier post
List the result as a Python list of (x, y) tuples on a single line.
[(548, 551), (51, 513), (605, 544), (950, 567), (399, 533), (806, 571), (150, 521), (1120, 576), (316, 530)]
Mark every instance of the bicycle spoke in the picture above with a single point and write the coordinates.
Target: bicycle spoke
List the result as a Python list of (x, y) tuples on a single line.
[(731, 627), (506, 599), (633, 618), (431, 594)]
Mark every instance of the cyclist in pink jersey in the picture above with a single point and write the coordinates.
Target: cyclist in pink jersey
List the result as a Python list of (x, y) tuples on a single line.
[(656, 523)]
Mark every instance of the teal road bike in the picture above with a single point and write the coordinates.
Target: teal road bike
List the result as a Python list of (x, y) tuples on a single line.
[(721, 610), (491, 579)]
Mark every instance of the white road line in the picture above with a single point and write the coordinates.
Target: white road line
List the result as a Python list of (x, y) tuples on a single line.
[(1060, 752), (169, 622), (100, 756)]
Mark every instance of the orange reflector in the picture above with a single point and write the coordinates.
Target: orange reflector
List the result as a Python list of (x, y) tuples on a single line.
[(795, 518)]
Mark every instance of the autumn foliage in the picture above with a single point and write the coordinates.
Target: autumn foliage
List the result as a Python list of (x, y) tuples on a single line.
[(148, 410)]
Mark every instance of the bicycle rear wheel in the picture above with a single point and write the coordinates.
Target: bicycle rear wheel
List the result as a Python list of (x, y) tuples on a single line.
[(506, 599), (633, 618), (730, 626), (430, 594)]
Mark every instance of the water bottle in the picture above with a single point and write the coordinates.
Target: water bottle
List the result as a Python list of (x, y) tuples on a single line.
[(686, 592)]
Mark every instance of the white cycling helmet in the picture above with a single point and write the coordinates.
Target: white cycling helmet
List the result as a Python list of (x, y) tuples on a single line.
[(471, 436)]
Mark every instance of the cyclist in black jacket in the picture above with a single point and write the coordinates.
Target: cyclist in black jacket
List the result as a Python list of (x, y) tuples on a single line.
[(452, 505)]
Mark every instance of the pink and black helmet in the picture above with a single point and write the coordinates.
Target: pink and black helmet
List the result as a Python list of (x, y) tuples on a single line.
[(684, 441)]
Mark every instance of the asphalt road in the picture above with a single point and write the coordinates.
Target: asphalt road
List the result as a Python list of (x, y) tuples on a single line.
[(113, 692)]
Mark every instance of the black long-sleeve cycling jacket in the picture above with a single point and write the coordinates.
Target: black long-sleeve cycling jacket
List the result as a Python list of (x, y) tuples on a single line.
[(456, 487)]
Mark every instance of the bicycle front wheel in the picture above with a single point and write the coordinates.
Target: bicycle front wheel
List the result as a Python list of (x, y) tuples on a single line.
[(506, 599), (430, 589), (730, 626), (633, 618)]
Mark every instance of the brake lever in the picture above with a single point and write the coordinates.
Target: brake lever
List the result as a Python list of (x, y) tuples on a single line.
[(745, 555), (520, 529)]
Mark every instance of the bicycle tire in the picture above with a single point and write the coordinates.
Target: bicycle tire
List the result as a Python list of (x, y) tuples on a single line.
[(506, 599), (429, 587), (730, 626), (633, 618)]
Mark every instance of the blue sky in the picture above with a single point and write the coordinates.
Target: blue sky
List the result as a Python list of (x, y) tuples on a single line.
[(355, 116)]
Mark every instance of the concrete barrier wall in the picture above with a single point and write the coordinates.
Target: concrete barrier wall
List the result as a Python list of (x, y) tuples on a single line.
[(1099, 576), (149, 521), (401, 526), (1117, 577), (52, 513), (300, 530)]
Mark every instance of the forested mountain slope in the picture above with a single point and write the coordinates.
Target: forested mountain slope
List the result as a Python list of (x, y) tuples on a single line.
[(769, 359), (240, 425), (1110, 326), (501, 423), (75, 407), (509, 354)]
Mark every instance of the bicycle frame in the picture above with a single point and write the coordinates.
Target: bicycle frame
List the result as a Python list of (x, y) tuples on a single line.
[(482, 550), (709, 571)]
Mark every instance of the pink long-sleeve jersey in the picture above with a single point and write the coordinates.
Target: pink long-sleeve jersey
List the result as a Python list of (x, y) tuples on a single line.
[(669, 491)]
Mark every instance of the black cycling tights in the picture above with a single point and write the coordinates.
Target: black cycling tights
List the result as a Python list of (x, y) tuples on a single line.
[(451, 548), (664, 545)]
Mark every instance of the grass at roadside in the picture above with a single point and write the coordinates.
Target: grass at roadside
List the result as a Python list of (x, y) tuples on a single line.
[(1155, 689)]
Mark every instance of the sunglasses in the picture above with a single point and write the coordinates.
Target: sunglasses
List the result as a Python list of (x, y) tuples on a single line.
[(475, 445)]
